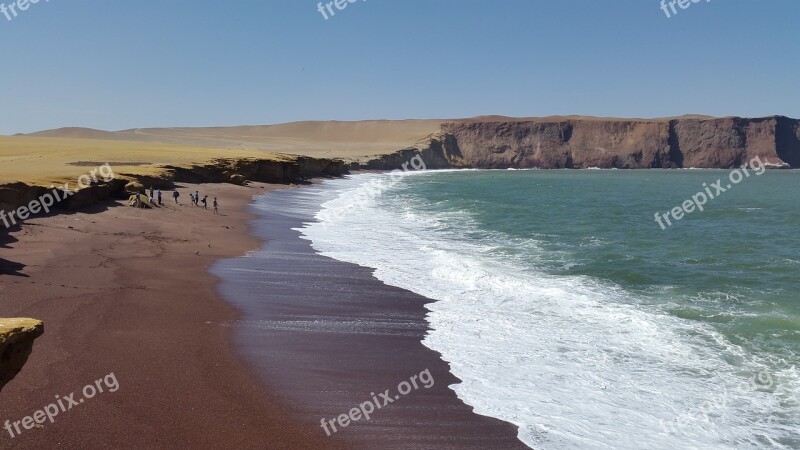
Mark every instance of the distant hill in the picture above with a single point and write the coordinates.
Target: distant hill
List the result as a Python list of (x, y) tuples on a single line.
[(351, 140)]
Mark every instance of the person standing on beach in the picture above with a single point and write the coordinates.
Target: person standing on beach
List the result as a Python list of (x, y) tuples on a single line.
[(216, 205), (196, 198), (175, 195), (205, 202), (151, 192), (159, 198)]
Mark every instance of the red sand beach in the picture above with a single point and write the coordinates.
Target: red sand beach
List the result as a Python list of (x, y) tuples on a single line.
[(127, 291), (122, 290)]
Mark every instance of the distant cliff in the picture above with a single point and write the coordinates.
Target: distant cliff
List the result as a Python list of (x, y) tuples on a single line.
[(555, 143)]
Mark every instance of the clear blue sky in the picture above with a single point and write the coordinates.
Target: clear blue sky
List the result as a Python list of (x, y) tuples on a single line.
[(125, 64)]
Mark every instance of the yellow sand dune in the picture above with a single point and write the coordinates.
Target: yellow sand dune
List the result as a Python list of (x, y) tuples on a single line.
[(44, 161), (348, 140)]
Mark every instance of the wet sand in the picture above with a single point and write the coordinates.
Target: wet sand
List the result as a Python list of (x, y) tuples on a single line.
[(324, 335), (127, 291)]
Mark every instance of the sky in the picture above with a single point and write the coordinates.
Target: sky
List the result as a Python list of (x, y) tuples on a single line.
[(113, 64)]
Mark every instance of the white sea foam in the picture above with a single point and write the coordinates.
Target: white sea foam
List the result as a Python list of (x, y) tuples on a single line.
[(575, 363)]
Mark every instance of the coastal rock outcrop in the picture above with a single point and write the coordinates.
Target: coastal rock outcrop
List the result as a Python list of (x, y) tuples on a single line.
[(439, 152), (291, 169), (558, 143), (16, 344)]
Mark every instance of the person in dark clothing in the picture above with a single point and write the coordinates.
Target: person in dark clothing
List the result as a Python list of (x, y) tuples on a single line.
[(205, 202), (175, 195)]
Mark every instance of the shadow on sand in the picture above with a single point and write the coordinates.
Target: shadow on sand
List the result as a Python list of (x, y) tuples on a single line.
[(7, 238)]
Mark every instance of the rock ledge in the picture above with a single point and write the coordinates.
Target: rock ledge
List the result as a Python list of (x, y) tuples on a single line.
[(16, 344)]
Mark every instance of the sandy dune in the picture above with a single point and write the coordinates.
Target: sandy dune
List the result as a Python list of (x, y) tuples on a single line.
[(350, 140), (44, 161)]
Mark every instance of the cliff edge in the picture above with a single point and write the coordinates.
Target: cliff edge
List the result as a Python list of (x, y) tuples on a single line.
[(16, 344), (580, 143)]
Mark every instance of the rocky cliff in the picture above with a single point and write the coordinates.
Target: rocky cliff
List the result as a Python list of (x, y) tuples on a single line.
[(556, 143), (16, 344), (292, 169)]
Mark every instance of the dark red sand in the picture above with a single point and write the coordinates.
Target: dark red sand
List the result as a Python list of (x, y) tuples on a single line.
[(123, 291)]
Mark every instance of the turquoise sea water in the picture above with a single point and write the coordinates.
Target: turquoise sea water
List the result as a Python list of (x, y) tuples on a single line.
[(568, 310), (735, 265)]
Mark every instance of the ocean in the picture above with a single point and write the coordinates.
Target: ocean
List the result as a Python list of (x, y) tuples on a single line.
[(566, 309)]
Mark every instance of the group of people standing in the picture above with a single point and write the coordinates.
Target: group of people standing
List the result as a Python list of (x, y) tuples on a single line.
[(155, 194), (196, 200)]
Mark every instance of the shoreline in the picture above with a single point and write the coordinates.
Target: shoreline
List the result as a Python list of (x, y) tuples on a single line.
[(331, 334), (122, 291)]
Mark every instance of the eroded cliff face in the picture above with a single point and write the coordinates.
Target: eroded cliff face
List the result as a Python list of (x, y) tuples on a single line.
[(16, 344), (292, 169), (439, 152), (238, 171), (611, 143)]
